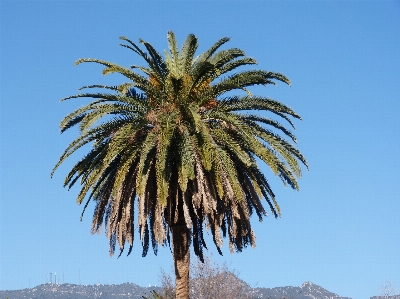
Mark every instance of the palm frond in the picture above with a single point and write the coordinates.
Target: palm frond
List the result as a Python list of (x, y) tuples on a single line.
[(206, 55), (188, 50), (225, 56), (138, 80), (256, 103)]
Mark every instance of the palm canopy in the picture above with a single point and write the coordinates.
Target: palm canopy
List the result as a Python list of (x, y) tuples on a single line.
[(171, 139)]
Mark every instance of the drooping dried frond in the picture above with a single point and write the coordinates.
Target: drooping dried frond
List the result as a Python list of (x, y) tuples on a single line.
[(170, 146)]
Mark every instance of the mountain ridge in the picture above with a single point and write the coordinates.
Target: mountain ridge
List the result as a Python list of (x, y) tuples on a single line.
[(307, 290)]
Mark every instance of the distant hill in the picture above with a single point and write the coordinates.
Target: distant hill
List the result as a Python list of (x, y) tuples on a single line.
[(307, 290), (73, 291)]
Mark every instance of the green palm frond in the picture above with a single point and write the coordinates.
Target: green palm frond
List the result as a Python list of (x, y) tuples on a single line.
[(206, 55), (188, 50), (223, 57), (255, 103), (115, 68), (186, 160), (251, 120), (157, 61)]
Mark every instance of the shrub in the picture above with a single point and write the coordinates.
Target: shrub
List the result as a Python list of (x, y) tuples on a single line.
[(208, 280)]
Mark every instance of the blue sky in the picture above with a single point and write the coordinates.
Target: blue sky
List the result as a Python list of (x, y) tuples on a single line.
[(340, 231)]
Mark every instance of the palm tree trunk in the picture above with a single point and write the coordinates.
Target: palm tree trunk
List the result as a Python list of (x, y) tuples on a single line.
[(181, 252)]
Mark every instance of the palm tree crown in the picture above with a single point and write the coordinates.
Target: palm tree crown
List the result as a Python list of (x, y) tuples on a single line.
[(172, 140)]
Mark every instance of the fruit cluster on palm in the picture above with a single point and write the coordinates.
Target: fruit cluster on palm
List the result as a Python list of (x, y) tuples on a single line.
[(171, 147)]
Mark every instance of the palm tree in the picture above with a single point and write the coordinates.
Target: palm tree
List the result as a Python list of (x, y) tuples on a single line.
[(172, 140)]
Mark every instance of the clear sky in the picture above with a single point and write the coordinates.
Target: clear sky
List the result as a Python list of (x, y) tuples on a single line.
[(340, 231)]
